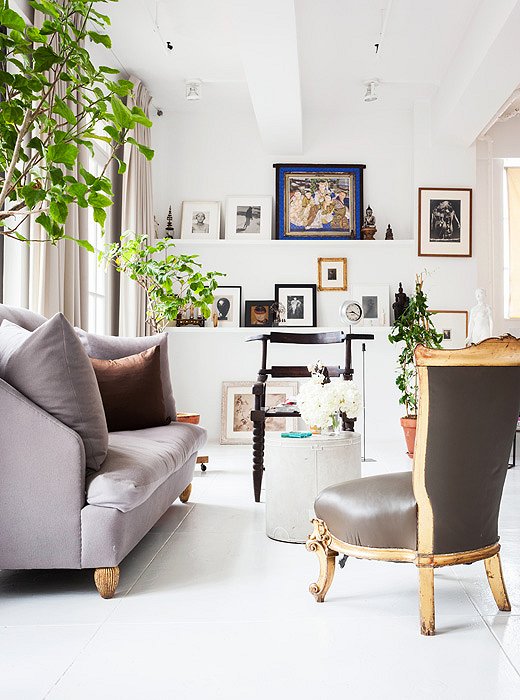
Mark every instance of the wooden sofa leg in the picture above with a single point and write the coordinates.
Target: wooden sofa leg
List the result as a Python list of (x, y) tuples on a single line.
[(427, 600), (106, 580), (185, 495), (496, 582), (319, 542)]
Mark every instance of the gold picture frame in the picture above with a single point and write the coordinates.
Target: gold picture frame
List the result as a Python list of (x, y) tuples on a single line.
[(332, 275)]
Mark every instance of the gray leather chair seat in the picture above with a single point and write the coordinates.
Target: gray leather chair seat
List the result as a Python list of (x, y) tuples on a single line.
[(139, 461), (375, 511)]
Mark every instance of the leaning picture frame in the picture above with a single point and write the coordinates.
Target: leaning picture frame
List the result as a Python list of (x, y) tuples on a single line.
[(318, 201), (200, 220), (445, 222), (227, 305), (237, 403), (374, 300), (332, 274), (453, 325), (259, 313), (249, 218), (299, 302)]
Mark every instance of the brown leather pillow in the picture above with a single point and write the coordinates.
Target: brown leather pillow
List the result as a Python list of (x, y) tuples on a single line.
[(131, 390)]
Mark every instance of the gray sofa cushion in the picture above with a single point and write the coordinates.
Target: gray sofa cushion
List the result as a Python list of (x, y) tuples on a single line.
[(29, 320), (107, 347), (139, 461), (52, 369)]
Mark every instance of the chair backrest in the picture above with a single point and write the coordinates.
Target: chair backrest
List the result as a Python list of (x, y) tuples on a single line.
[(468, 409)]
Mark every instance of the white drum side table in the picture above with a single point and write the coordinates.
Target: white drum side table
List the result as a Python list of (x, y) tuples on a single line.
[(296, 470)]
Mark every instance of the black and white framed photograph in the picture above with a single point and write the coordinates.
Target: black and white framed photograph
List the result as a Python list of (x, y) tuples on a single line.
[(258, 313), (452, 325), (200, 220), (374, 300), (299, 302), (332, 274), (445, 221), (249, 217), (227, 305), (238, 402)]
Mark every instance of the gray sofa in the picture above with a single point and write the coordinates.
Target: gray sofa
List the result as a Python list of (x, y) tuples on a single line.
[(53, 514)]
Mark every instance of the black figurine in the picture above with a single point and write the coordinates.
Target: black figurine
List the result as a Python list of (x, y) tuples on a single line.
[(169, 231), (401, 302), (389, 235)]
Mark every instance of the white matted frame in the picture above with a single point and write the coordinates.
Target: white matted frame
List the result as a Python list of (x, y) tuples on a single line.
[(249, 218), (200, 220), (227, 304), (299, 301), (238, 402), (375, 302), (445, 222), (453, 325), (332, 274)]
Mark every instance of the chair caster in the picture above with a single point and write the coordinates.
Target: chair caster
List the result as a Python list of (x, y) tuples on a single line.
[(343, 561)]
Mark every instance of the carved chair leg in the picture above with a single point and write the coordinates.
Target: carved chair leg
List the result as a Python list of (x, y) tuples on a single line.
[(185, 495), (258, 457), (426, 600), (319, 542), (106, 580), (496, 582)]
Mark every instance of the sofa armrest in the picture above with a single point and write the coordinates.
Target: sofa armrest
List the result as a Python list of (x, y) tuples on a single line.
[(42, 487)]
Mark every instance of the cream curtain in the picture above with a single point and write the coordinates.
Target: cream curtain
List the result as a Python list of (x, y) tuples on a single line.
[(513, 191), (58, 274), (136, 214)]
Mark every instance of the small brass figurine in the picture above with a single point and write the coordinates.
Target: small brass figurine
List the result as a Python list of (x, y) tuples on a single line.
[(169, 231), (368, 230), (389, 235)]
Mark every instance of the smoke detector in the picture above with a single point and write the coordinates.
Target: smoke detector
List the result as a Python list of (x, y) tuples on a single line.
[(193, 89)]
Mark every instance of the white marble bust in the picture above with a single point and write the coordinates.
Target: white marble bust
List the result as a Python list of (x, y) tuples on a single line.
[(480, 319)]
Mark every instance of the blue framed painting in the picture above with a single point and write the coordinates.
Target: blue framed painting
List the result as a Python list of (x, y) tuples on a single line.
[(320, 202)]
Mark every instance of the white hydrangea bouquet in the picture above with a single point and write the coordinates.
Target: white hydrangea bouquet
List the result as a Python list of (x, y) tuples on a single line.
[(322, 402)]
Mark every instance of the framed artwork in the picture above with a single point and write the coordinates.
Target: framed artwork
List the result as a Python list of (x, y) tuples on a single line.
[(200, 220), (453, 325), (332, 274), (299, 301), (249, 218), (258, 313), (227, 305), (374, 300), (319, 201), (238, 402), (445, 221)]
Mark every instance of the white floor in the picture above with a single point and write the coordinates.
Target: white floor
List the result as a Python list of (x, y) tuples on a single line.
[(209, 607)]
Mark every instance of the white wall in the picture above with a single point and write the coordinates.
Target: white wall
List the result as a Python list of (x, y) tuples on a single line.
[(212, 156)]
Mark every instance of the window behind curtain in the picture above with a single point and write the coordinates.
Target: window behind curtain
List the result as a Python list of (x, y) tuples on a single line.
[(97, 277), (512, 243)]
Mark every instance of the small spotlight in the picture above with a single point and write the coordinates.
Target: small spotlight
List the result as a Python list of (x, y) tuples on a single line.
[(169, 45), (159, 112), (370, 94)]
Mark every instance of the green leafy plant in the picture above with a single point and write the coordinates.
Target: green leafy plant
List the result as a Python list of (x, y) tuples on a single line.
[(413, 328), (172, 283), (54, 103)]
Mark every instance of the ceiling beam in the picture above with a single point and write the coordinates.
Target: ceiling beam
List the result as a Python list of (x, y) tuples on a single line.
[(482, 74), (266, 33)]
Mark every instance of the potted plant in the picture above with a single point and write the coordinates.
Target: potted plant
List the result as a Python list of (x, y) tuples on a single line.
[(172, 283), (413, 327)]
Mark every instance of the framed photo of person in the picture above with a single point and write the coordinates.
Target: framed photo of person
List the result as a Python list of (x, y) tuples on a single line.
[(227, 305), (249, 218), (299, 302), (453, 325), (237, 403), (200, 220), (258, 313), (332, 274), (445, 221), (374, 300), (318, 201)]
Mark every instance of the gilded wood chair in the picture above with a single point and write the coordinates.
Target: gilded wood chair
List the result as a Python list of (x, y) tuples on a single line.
[(446, 510)]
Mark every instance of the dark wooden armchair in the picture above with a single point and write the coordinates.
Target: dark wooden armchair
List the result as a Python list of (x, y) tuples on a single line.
[(446, 510), (260, 413)]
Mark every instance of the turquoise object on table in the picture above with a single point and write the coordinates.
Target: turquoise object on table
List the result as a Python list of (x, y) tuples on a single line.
[(296, 435)]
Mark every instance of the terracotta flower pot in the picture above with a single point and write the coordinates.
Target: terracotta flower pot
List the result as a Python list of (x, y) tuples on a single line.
[(409, 427)]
